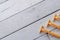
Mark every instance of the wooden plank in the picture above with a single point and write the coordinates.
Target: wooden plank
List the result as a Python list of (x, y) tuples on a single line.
[(32, 31)]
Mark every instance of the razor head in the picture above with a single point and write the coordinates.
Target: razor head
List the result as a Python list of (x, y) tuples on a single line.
[(41, 28), (54, 17), (48, 23)]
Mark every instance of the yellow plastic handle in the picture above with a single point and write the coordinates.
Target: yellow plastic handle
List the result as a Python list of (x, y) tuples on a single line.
[(49, 32), (52, 24)]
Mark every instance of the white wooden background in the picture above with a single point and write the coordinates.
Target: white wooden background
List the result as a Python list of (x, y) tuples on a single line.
[(21, 19)]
